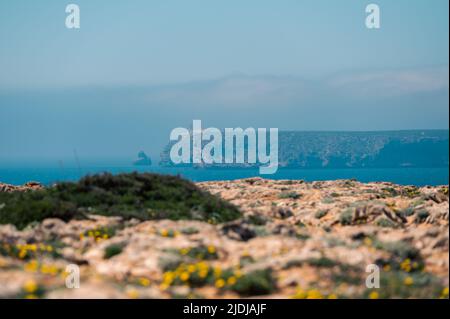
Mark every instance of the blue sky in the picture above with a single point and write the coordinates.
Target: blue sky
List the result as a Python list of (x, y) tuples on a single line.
[(148, 42), (137, 69)]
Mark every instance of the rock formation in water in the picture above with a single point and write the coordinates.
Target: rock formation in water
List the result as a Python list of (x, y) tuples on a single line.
[(142, 160)]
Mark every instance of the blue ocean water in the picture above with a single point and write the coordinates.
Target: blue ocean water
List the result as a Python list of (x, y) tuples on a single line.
[(47, 173)]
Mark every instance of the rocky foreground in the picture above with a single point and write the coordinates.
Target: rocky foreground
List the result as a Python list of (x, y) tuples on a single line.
[(294, 240)]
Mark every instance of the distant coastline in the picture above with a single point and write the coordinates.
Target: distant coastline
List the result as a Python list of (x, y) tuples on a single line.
[(403, 176), (336, 150), (414, 157)]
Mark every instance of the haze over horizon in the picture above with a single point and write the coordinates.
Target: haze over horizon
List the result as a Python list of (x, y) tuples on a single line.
[(134, 71)]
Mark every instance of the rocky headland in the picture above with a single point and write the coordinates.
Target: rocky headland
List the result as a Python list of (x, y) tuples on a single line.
[(292, 239)]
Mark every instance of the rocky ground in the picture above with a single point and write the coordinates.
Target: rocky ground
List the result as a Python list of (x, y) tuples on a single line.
[(295, 240)]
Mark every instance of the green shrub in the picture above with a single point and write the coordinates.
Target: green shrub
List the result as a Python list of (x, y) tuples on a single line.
[(258, 282), (421, 216), (398, 284), (403, 256), (293, 195), (246, 260), (321, 213), (112, 250), (334, 194), (386, 223), (328, 200), (256, 219), (409, 211), (390, 191), (346, 217), (411, 191), (189, 231), (200, 252), (170, 262), (399, 249), (322, 262), (133, 195)]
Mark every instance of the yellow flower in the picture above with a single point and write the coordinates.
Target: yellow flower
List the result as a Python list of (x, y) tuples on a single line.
[(203, 273), (444, 293), (22, 253), (31, 296), (133, 293), (238, 273), (105, 236), (191, 268), (217, 271), (32, 247), (64, 274), (144, 281), (368, 241), (374, 295), (53, 270), (31, 266), (202, 265), (390, 205), (300, 294), (45, 269), (231, 281), (406, 265), (168, 277), (163, 286), (184, 276), (184, 251), (332, 296), (408, 281), (220, 283), (30, 286), (211, 249), (314, 294), (164, 232)]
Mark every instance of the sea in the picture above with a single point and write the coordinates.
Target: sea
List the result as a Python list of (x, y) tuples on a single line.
[(50, 172)]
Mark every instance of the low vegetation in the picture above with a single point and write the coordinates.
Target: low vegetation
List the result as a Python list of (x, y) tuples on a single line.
[(113, 250), (143, 196)]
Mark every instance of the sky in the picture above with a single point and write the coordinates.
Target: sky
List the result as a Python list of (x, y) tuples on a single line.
[(137, 69)]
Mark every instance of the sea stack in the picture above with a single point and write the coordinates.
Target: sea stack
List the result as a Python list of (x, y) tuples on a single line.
[(142, 160)]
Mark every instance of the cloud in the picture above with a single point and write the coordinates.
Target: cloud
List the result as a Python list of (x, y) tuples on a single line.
[(278, 91), (233, 91), (385, 84)]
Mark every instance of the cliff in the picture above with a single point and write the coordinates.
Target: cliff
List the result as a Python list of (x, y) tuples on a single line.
[(393, 149)]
